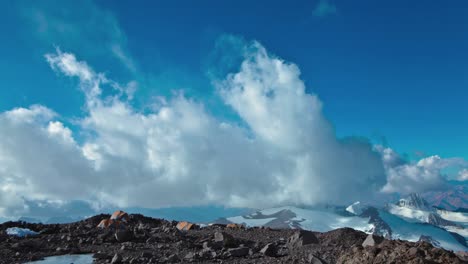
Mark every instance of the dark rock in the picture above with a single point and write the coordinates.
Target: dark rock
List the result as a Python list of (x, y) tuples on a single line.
[(226, 239), (428, 240), (172, 258), (213, 245), (190, 256), (100, 255), (269, 250), (146, 254), (314, 259), (116, 259), (463, 255), (206, 245), (47, 231), (207, 253), (27, 244), (301, 238), (152, 240), (381, 228), (123, 235), (15, 245), (59, 249), (238, 252), (415, 252), (372, 240)]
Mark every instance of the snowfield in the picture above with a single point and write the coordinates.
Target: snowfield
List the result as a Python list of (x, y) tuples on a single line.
[(316, 220), (250, 222), (412, 232), (409, 214), (405, 223), (453, 216)]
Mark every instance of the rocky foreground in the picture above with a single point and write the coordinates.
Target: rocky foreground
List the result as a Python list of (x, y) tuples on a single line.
[(149, 240)]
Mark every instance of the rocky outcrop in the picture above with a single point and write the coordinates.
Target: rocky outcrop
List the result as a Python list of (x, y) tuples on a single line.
[(415, 201), (397, 251), (148, 240), (436, 220), (381, 228), (302, 238), (429, 240)]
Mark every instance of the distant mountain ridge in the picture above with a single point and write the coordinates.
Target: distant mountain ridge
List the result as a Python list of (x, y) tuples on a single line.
[(455, 199), (411, 218)]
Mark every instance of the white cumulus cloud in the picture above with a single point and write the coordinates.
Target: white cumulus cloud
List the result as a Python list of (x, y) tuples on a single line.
[(283, 152), (179, 154), (426, 174), (463, 175)]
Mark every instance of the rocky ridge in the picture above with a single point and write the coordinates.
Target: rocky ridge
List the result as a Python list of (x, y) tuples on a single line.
[(149, 240)]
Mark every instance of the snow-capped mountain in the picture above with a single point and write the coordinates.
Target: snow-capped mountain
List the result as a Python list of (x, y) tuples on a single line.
[(414, 201), (409, 219), (415, 209), (321, 220)]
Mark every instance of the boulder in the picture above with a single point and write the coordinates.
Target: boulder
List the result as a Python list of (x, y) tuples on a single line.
[(238, 252), (415, 252), (190, 256), (151, 240), (123, 235), (119, 216), (213, 245), (301, 238), (207, 253), (226, 239), (172, 258), (116, 259), (269, 250), (463, 255), (146, 254), (101, 256), (315, 260), (185, 226), (235, 226), (372, 240)]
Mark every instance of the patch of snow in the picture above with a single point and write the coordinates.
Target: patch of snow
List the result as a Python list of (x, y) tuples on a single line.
[(413, 231), (324, 221), (461, 231), (316, 220), (76, 259), (409, 214), (249, 222), (453, 216), (20, 232)]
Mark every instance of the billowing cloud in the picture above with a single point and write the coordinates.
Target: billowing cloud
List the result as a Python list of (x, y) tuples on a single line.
[(424, 175), (179, 154), (283, 150), (463, 175)]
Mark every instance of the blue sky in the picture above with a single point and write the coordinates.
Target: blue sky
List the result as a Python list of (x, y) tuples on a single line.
[(392, 69), (394, 72)]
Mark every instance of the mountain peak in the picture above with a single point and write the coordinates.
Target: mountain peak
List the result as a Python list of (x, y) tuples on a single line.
[(414, 201)]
